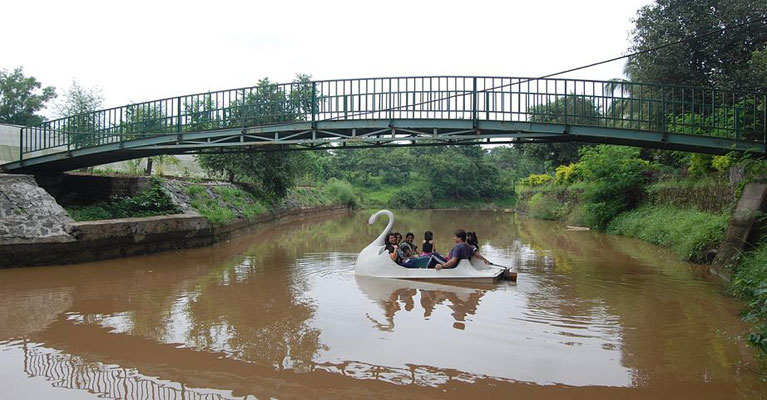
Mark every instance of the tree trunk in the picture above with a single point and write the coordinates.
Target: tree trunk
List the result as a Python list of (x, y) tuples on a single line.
[(148, 170)]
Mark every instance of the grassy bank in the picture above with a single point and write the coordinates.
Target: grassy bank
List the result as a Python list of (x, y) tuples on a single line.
[(149, 202), (414, 192), (749, 283), (691, 233), (220, 202)]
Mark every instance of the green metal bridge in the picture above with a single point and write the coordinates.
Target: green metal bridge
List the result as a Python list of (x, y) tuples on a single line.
[(403, 111)]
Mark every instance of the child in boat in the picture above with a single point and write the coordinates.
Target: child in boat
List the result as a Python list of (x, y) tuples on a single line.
[(473, 242), (427, 248)]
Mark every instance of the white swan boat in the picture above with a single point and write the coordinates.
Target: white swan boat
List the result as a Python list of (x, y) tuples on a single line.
[(375, 261)]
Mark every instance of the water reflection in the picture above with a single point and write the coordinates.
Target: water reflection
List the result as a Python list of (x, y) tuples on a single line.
[(395, 295), (281, 314)]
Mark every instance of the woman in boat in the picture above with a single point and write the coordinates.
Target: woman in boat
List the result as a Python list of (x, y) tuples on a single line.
[(473, 242), (392, 247), (427, 248)]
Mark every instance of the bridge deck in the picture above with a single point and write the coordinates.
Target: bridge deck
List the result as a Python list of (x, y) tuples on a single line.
[(409, 111)]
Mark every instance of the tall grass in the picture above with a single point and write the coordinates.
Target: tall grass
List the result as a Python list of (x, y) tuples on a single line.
[(689, 232)]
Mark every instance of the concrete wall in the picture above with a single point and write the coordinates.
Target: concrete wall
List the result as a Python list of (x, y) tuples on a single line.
[(9, 143), (92, 188)]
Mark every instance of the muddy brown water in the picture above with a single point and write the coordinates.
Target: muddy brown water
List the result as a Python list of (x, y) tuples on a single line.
[(280, 314)]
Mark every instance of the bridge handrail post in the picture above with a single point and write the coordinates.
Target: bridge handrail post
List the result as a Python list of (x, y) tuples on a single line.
[(21, 145), (178, 114), (474, 102), (314, 102), (565, 101)]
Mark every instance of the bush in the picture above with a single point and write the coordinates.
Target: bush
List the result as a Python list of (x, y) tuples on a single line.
[(566, 174), (618, 177), (411, 198), (544, 206), (750, 284), (535, 180), (152, 201), (342, 192)]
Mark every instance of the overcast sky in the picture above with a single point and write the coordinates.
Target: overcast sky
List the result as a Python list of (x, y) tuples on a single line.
[(141, 50)]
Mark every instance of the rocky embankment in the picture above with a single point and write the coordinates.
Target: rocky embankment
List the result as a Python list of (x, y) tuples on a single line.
[(36, 230)]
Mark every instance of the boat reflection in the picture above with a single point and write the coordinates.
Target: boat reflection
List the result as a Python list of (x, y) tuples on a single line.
[(394, 295)]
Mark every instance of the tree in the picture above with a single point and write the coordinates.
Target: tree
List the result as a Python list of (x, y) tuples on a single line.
[(572, 110), (78, 105), (273, 171), (720, 59), (20, 98), (80, 100)]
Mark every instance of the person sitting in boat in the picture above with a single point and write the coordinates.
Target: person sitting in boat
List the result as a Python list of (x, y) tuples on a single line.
[(427, 248), (473, 242), (461, 251), (392, 247), (409, 249), (397, 254)]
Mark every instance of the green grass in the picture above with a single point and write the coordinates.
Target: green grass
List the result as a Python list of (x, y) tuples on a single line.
[(152, 201), (749, 283), (223, 204), (689, 232)]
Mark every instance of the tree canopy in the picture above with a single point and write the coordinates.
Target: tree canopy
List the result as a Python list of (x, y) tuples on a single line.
[(21, 97), (719, 59)]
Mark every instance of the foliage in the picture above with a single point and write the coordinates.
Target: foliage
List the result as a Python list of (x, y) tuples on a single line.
[(223, 204), (459, 172), (273, 171), (411, 198), (617, 175), (688, 232), (342, 192), (152, 201), (722, 163), (758, 66), (721, 59), (536, 180), (750, 284), (19, 98), (566, 174), (78, 104), (700, 165), (546, 207)]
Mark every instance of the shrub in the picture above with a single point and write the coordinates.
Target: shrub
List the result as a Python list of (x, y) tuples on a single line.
[(721, 163), (545, 206), (342, 192), (536, 180), (411, 198), (566, 174), (750, 284), (618, 177)]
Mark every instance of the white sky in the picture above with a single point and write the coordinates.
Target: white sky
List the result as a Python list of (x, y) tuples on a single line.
[(140, 50)]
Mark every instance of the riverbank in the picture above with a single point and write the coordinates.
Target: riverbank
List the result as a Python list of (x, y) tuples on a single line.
[(36, 230), (710, 220)]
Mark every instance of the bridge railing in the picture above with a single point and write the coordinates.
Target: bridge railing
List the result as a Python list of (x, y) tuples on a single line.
[(615, 104)]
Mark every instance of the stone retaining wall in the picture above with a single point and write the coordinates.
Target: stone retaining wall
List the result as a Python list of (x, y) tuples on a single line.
[(35, 229)]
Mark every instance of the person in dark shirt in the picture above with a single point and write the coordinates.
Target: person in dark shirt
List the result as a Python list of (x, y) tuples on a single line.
[(461, 251)]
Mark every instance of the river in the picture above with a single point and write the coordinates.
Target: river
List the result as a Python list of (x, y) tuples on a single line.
[(279, 313)]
